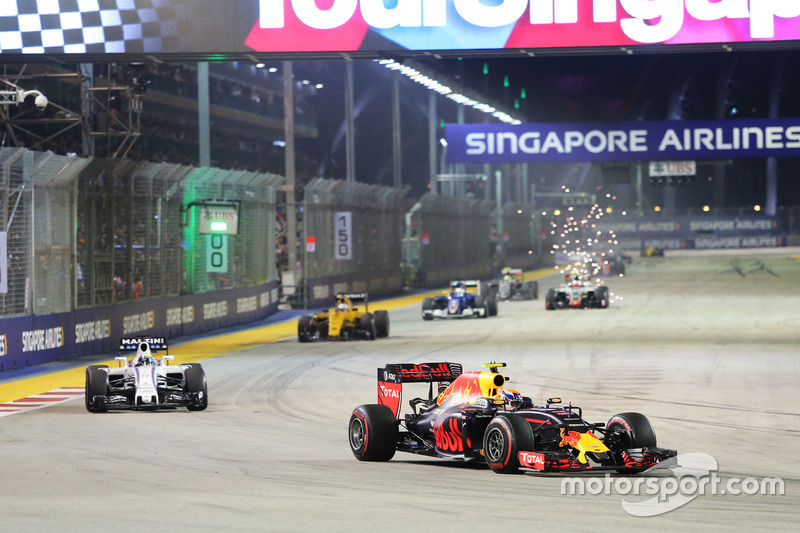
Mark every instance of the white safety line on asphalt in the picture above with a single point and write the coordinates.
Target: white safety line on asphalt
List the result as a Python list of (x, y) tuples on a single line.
[(38, 401)]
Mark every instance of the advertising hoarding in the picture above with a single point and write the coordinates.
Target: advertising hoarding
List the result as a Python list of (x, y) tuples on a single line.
[(235, 28), (622, 141)]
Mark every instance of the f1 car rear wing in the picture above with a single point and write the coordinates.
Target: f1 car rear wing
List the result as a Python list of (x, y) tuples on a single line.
[(392, 376), (128, 344)]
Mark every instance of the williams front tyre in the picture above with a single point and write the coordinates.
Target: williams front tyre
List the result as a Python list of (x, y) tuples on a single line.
[(373, 433), (96, 388), (197, 387)]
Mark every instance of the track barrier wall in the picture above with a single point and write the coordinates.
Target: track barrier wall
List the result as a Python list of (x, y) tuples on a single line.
[(352, 239), (454, 239), (98, 248)]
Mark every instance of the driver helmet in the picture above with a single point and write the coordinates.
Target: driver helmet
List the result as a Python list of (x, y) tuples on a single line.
[(460, 290), (146, 360), (508, 278), (511, 397), (342, 306)]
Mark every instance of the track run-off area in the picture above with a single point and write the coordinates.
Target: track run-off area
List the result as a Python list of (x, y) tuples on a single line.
[(706, 344)]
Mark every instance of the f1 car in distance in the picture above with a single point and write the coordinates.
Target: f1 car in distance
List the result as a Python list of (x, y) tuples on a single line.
[(612, 264), (512, 286), (474, 418), (144, 382), (463, 300), (577, 291), (348, 319)]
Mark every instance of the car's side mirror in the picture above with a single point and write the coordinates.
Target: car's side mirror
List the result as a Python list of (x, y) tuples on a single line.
[(121, 360)]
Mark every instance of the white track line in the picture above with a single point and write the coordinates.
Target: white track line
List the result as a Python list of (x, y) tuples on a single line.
[(40, 401)]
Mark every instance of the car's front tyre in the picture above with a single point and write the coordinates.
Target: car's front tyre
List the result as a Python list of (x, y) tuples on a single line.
[(304, 328), (626, 431), (96, 385), (195, 378), (550, 301), (504, 438)]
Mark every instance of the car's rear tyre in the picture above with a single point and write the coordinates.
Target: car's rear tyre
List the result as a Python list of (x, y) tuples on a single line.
[(381, 323), (533, 287), (367, 326), (427, 305), (550, 302), (304, 328), (629, 430), (96, 385), (372, 433), (195, 378), (504, 438), (601, 296)]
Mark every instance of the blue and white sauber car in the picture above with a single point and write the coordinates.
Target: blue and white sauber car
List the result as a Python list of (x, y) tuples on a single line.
[(464, 300), (144, 382)]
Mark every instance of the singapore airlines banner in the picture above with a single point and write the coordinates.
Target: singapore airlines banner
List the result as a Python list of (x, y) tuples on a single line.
[(618, 141), (231, 27)]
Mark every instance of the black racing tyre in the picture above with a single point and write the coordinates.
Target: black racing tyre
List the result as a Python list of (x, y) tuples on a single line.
[(601, 296), (367, 325), (491, 305), (372, 433), (195, 382), (504, 438), (550, 302), (480, 303), (304, 328), (629, 430), (635, 431), (96, 385), (427, 305), (381, 323)]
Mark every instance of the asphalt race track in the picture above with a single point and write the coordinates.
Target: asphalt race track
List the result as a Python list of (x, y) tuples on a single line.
[(705, 344)]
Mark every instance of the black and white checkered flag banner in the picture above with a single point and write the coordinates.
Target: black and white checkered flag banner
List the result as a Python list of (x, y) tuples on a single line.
[(88, 26)]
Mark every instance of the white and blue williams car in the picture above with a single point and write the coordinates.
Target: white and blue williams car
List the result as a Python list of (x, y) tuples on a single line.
[(145, 382)]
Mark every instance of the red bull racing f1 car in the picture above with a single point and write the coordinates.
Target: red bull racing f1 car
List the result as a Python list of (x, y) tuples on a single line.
[(144, 382), (473, 417)]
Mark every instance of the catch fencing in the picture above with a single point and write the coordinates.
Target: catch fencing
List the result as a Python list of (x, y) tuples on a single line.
[(517, 235), (453, 236), (88, 234), (352, 239)]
